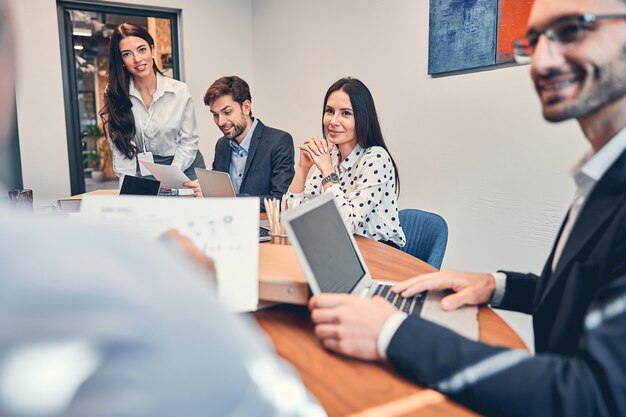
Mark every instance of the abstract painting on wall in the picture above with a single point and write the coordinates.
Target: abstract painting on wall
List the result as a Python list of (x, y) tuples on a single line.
[(467, 34)]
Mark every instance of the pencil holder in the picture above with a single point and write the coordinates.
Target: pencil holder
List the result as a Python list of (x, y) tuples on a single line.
[(273, 208), (279, 238)]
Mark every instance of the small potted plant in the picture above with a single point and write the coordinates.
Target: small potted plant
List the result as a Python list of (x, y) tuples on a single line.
[(94, 160), (95, 157), (93, 132)]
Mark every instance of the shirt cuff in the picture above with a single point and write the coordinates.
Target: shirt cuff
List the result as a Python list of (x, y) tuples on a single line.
[(179, 163), (388, 330), (292, 198), (498, 294)]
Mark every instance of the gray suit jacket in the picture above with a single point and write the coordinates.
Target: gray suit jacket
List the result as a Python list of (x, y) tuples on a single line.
[(270, 165)]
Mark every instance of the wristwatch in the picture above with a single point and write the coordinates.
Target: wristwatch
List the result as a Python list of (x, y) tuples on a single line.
[(332, 177)]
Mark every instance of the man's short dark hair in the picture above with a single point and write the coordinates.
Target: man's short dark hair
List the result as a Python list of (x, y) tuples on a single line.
[(233, 86)]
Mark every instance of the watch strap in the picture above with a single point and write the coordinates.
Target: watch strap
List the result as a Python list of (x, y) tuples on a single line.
[(332, 177)]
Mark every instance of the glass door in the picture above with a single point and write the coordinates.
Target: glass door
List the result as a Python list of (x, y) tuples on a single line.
[(85, 33)]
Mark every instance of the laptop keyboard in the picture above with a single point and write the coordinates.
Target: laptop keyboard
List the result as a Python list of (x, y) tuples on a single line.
[(410, 305), (264, 235), (169, 192)]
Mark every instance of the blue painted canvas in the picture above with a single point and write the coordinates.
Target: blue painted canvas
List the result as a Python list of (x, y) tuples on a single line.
[(462, 35)]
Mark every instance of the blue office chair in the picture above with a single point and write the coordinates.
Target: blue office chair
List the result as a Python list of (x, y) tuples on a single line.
[(426, 235)]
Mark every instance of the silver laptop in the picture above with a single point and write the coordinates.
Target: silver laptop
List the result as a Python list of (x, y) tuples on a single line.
[(332, 262), (218, 184), (215, 183)]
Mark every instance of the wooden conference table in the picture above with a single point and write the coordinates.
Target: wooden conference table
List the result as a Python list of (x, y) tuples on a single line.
[(349, 387)]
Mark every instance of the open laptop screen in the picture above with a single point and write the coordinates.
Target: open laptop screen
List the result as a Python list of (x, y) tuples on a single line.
[(328, 249), (139, 186)]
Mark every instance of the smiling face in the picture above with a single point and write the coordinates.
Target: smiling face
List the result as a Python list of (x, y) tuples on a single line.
[(232, 118), (578, 80), (339, 124), (137, 56)]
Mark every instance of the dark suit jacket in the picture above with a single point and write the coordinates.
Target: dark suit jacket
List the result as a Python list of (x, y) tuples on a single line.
[(579, 316), (270, 164)]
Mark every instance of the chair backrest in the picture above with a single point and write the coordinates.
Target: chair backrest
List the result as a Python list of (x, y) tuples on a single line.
[(426, 235)]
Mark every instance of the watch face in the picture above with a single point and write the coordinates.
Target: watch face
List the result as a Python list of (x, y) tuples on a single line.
[(333, 177)]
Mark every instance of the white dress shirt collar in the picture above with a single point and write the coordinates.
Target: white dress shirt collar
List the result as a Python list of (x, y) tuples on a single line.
[(592, 166), (162, 86)]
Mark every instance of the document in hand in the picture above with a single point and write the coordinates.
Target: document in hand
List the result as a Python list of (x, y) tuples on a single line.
[(170, 176), (224, 229)]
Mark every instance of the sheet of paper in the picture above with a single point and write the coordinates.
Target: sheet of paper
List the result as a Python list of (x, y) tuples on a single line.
[(226, 229), (170, 176)]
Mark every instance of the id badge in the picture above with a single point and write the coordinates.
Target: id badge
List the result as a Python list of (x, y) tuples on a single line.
[(145, 156)]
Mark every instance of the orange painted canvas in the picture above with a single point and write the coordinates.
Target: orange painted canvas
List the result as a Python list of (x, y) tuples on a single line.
[(513, 17)]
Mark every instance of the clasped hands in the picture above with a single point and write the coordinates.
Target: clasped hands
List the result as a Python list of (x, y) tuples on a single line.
[(316, 151), (350, 325)]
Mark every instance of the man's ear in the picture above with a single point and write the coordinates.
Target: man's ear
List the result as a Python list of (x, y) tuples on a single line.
[(246, 107)]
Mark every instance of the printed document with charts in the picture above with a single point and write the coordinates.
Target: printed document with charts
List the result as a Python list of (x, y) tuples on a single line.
[(226, 229)]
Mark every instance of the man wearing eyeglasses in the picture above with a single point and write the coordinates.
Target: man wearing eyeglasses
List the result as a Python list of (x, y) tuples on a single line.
[(577, 55)]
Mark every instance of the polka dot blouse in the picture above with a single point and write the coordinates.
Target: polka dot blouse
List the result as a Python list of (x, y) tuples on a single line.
[(366, 193)]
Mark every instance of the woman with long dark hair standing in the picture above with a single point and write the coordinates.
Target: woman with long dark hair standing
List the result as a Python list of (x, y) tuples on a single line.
[(353, 163), (146, 115)]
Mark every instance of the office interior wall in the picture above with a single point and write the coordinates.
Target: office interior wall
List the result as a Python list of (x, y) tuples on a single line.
[(39, 100), (215, 40), (473, 148)]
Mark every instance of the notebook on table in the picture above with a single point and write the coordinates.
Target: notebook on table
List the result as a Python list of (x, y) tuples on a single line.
[(332, 263)]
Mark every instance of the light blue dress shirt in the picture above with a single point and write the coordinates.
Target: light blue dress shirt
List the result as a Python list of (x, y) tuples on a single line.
[(125, 328), (239, 157)]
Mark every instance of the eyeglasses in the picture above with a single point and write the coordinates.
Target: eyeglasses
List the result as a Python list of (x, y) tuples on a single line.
[(565, 32)]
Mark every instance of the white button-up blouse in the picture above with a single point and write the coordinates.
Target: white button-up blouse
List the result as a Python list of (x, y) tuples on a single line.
[(167, 128)]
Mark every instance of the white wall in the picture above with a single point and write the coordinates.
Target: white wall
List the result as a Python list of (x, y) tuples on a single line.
[(39, 97), (215, 39), (473, 148)]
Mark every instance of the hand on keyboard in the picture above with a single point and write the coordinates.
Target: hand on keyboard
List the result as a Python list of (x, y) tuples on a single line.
[(409, 305), (469, 288)]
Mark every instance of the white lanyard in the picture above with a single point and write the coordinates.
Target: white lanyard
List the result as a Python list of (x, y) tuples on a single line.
[(145, 155), (142, 129)]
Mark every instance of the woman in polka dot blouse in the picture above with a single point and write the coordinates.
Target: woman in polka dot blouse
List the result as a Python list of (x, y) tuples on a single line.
[(353, 163)]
